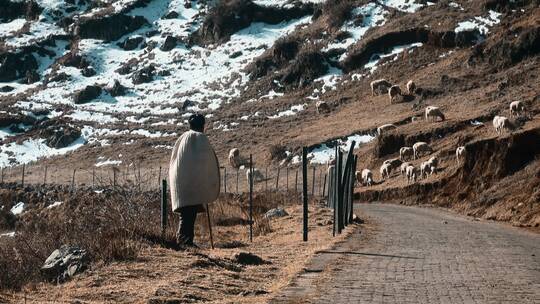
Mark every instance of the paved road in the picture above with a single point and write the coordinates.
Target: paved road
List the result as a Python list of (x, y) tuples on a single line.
[(424, 255)]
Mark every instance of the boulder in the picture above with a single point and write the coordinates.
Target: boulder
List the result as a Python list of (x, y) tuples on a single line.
[(169, 44), (117, 89), (87, 94), (58, 133), (64, 263), (276, 212), (131, 43), (31, 77), (143, 75), (88, 71), (60, 77), (74, 60), (14, 66), (248, 258), (171, 15), (6, 89), (111, 27)]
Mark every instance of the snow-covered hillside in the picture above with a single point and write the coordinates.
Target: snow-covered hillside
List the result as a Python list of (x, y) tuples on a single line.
[(129, 68)]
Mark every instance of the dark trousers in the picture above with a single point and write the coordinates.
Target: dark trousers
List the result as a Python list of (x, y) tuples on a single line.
[(186, 227)]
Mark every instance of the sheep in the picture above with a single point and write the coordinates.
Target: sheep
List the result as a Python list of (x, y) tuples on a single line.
[(460, 153), (411, 87), (406, 152), (501, 124), (257, 175), (384, 128), (517, 108), (419, 148), (367, 177), (391, 164), (434, 112), (322, 107), (393, 92), (403, 167), (380, 85), (429, 167), (411, 172), (234, 158), (385, 170), (434, 161)]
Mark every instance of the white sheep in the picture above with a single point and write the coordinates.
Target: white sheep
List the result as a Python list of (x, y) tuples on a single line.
[(420, 148), (411, 172), (379, 86), (257, 175), (411, 87), (384, 128), (517, 108), (393, 92), (403, 168), (501, 124), (385, 170), (322, 107), (234, 158), (425, 169), (392, 164), (434, 112), (460, 153), (406, 152), (367, 177)]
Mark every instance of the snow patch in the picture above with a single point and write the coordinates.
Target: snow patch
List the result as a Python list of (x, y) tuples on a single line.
[(482, 24), (18, 208)]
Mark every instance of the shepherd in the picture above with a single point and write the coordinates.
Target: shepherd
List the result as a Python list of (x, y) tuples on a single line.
[(194, 177)]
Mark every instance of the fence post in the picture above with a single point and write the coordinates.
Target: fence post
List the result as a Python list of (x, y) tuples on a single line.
[(265, 178), (45, 175), (313, 183), (139, 182), (163, 206), (324, 186), (225, 180), (237, 178), (251, 197), (277, 178), (339, 189), (2, 175), (73, 180), (23, 167), (159, 177), (305, 193), (114, 177), (352, 189), (287, 179), (93, 177), (296, 181)]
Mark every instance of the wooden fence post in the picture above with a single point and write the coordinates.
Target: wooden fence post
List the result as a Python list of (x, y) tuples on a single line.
[(265, 179), (45, 175), (313, 182), (287, 179), (163, 206), (251, 197), (324, 185), (114, 177), (225, 180), (339, 202), (296, 181), (2, 175), (320, 182), (139, 178), (159, 177), (73, 180), (237, 179), (277, 178), (93, 177), (304, 194), (23, 167)]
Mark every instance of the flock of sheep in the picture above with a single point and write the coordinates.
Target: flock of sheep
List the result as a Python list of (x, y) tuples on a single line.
[(406, 154), (419, 149)]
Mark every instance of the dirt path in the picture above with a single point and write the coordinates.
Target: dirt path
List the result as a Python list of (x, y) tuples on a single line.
[(424, 255)]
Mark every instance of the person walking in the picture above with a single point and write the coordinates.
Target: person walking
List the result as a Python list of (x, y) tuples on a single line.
[(194, 177)]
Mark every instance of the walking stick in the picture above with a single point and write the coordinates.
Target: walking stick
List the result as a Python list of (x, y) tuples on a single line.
[(209, 226)]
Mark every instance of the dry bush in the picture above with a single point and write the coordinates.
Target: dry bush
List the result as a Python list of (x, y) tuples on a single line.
[(336, 12), (277, 152)]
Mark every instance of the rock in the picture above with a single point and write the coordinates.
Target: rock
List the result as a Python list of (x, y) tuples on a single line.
[(88, 72), (64, 263), (276, 212), (144, 75), (248, 258), (235, 54), (58, 133), (6, 89), (74, 60), (171, 15), (356, 219), (59, 77), (117, 89), (188, 103), (14, 66), (131, 43), (187, 4), (31, 77), (164, 73), (169, 44), (111, 27), (87, 94)]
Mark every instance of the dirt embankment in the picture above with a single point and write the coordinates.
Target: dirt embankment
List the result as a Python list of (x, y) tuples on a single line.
[(499, 179)]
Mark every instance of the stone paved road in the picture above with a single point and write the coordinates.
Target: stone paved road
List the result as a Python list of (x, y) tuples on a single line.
[(424, 255)]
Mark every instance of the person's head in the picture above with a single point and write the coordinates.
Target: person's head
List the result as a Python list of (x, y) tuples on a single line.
[(196, 122)]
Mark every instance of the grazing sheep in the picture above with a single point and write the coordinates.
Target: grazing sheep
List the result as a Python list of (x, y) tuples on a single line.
[(234, 158), (517, 108), (411, 87), (379, 86), (386, 127), (385, 170), (257, 175), (501, 124), (420, 148), (434, 112), (434, 161), (403, 167), (367, 177), (394, 91), (406, 152), (392, 164), (425, 169), (322, 107), (411, 172), (460, 153)]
